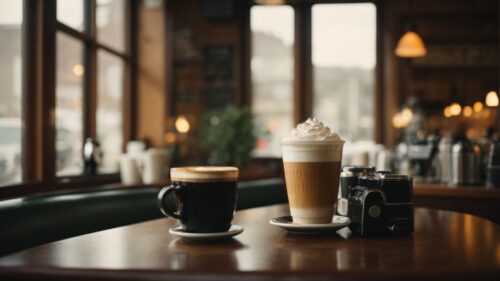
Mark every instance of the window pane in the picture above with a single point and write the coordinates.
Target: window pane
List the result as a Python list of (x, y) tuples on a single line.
[(110, 109), (71, 13), (272, 74), (69, 105), (110, 16), (11, 20), (343, 56)]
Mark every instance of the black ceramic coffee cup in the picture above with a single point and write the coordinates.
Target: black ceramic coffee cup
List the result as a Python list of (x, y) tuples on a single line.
[(205, 197)]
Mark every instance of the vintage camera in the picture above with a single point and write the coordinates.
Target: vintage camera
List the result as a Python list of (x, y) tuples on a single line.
[(381, 204), (350, 175)]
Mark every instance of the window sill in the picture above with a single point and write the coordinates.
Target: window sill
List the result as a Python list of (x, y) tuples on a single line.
[(60, 184)]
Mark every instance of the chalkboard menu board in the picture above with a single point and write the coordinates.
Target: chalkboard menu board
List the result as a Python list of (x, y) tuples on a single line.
[(219, 77)]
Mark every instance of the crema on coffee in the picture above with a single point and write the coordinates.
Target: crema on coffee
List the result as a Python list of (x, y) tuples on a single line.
[(205, 197)]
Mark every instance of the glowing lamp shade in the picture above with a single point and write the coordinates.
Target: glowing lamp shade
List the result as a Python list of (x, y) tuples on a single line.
[(468, 111), (447, 112), (455, 109), (182, 124), (478, 106), (402, 119), (397, 121), (492, 99), (270, 2), (410, 46), (407, 114)]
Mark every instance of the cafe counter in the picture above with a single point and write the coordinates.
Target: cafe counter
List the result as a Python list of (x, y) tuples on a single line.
[(477, 200)]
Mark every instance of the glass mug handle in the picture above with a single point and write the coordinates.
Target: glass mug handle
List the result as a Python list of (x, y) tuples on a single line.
[(161, 201)]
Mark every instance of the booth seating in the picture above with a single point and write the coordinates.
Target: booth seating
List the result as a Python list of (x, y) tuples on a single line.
[(34, 220)]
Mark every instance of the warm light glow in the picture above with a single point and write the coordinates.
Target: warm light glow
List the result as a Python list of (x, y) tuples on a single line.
[(410, 46), (455, 109), (402, 119), (397, 121), (486, 114), (78, 70), (478, 106), (406, 115), (447, 112), (182, 124), (270, 2), (170, 137), (491, 99), (468, 111)]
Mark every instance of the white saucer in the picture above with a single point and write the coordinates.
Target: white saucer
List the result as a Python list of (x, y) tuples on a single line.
[(180, 232), (286, 223)]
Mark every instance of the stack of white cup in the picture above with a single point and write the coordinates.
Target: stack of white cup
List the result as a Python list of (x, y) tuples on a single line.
[(155, 166), (139, 165)]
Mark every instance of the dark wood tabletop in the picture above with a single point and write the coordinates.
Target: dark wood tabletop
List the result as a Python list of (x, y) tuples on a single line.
[(445, 245)]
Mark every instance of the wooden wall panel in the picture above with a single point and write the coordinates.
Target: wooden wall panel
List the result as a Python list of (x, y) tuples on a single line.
[(152, 91), (451, 23), (440, 22), (192, 32)]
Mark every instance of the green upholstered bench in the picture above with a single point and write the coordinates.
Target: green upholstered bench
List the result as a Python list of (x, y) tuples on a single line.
[(259, 193), (35, 220)]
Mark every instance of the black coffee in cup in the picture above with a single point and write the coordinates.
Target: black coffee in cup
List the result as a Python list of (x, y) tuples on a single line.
[(205, 197)]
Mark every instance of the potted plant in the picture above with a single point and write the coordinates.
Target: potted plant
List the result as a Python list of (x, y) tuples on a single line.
[(228, 136)]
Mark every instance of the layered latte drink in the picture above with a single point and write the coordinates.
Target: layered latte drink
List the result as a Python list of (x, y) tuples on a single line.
[(312, 156)]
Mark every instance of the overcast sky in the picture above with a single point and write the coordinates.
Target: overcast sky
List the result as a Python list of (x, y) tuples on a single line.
[(343, 34), (11, 11)]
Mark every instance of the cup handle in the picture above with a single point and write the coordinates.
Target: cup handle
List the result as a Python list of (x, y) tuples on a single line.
[(161, 201)]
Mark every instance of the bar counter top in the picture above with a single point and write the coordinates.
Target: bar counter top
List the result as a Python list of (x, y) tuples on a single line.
[(477, 200)]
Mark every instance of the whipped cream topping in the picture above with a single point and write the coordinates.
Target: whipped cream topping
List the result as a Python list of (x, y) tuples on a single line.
[(311, 130)]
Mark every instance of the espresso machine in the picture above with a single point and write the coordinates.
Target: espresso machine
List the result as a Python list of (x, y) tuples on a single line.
[(424, 163), (493, 166), (465, 163)]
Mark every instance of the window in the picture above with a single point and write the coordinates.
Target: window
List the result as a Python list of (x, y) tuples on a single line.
[(272, 74), (82, 109), (11, 24), (69, 104), (71, 13), (51, 101), (343, 58), (109, 108), (334, 78)]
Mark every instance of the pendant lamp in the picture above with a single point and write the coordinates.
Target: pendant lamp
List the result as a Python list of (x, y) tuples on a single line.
[(410, 45), (492, 99), (270, 2)]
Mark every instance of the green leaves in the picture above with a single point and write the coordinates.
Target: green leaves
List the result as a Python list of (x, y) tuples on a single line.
[(228, 136)]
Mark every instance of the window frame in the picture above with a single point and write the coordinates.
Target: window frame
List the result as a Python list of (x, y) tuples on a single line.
[(303, 67), (40, 26)]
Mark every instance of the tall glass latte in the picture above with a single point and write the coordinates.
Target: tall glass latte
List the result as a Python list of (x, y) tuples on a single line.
[(312, 156)]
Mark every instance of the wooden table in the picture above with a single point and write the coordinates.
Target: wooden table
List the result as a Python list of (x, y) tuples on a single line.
[(445, 245)]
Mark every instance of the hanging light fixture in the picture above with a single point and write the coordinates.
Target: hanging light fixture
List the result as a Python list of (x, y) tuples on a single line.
[(447, 112), (455, 109), (270, 2), (478, 106), (182, 124), (491, 99), (410, 45), (468, 111)]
